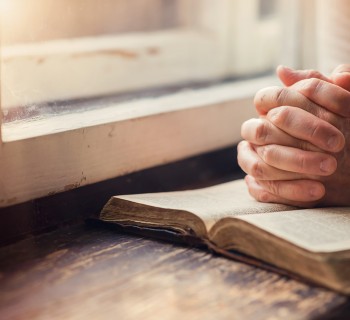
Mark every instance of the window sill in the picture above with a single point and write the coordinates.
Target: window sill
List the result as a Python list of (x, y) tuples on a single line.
[(64, 152)]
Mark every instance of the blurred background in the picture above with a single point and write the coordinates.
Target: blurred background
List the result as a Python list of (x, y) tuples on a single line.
[(58, 51)]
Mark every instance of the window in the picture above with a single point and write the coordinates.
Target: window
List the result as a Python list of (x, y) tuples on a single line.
[(107, 87)]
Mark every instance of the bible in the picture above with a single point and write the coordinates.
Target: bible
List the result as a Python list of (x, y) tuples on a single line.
[(311, 243)]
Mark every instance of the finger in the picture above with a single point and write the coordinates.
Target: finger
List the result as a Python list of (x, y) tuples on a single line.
[(252, 164), (290, 76), (345, 67), (305, 126), (325, 94), (296, 160), (293, 192), (261, 132), (272, 97), (342, 80), (341, 76)]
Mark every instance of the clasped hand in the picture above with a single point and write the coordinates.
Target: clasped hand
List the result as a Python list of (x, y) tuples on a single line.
[(298, 151)]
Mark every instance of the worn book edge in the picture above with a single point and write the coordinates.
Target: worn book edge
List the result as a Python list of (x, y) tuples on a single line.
[(189, 225)]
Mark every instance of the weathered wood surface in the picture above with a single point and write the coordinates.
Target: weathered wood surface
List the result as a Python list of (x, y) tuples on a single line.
[(88, 272)]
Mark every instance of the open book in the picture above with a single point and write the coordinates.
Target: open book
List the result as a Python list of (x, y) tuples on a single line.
[(312, 243)]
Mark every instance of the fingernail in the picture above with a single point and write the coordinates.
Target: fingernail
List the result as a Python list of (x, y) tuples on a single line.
[(315, 193), (327, 165), (333, 142)]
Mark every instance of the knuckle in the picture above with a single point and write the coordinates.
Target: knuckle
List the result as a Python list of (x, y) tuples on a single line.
[(313, 130), (281, 117), (312, 86), (257, 170), (274, 187), (268, 153), (261, 132), (301, 162), (263, 196), (280, 96), (314, 74), (318, 85), (303, 145)]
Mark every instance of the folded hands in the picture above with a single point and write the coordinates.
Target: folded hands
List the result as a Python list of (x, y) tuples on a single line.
[(297, 151)]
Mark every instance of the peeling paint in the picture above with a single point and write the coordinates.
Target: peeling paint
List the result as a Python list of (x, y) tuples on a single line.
[(10, 59), (74, 185), (71, 186), (111, 133), (128, 54), (40, 60), (153, 51), (11, 200)]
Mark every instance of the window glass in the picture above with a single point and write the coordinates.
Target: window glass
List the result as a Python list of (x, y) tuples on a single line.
[(27, 21), (69, 55)]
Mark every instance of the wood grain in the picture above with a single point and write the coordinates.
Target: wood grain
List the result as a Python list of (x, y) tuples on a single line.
[(85, 67), (68, 207), (64, 152), (87, 272)]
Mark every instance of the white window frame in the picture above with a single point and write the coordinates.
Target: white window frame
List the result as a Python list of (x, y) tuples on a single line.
[(201, 49), (60, 153)]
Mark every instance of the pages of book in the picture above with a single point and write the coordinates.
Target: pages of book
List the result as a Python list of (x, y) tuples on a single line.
[(317, 230), (210, 204)]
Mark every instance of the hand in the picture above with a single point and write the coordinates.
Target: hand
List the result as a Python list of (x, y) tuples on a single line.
[(298, 155), (340, 76)]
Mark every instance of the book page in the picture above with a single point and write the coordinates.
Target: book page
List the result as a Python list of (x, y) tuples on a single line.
[(210, 204), (318, 230)]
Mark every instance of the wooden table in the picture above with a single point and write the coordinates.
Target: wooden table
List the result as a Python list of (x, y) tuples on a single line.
[(92, 272)]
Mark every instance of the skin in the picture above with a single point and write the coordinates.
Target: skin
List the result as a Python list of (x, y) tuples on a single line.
[(297, 151)]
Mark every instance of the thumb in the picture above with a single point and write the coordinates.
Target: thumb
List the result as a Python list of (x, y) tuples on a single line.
[(341, 76), (290, 76)]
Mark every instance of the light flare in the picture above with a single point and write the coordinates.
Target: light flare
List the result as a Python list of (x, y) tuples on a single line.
[(6, 7)]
